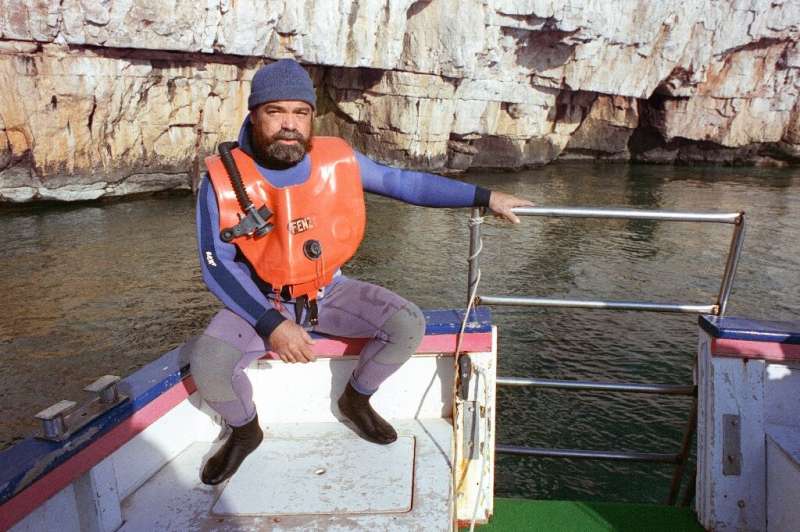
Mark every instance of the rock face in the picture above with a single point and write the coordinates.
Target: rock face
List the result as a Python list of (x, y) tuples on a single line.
[(109, 98)]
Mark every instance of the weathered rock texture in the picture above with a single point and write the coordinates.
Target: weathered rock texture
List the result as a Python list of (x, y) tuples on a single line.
[(103, 98)]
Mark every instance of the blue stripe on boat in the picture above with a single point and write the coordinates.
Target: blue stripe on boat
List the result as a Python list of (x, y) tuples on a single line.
[(782, 332)]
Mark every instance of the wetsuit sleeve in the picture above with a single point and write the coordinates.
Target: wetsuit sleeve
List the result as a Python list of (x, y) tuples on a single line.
[(228, 279), (419, 188)]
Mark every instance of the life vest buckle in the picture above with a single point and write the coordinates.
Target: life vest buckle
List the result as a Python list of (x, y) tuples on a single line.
[(255, 223)]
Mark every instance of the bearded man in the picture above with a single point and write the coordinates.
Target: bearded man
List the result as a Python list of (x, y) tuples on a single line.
[(262, 243)]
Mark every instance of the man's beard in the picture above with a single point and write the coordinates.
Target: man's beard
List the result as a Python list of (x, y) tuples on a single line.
[(279, 155)]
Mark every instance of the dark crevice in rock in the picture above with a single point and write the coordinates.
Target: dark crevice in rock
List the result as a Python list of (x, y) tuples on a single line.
[(365, 77), (353, 15), (503, 153), (760, 44), (784, 61), (647, 136), (29, 64), (781, 151), (645, 139), (586, 153), (387, 14), (539, 50), (377, 74), (566, 102), (197, 167), (460, 154), (351, 24), (90, 120), (648, 145), (171, 88), (531, 19), (417, 7), (680, 77), (166, 58), (326, 102)]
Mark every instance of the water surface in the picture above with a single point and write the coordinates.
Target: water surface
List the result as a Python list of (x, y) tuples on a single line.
[(93, 289)]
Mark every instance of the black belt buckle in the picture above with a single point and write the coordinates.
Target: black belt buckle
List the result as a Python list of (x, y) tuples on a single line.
[(312, 316)]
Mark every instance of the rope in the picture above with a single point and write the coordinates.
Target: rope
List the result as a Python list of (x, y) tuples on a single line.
[(479, 498), (473, 222)]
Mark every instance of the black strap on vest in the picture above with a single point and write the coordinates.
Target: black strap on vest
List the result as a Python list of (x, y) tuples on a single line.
[(303, 302), (255, 219)]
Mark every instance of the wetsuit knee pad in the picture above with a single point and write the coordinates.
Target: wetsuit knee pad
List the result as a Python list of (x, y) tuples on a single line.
[(213, 363), (404, 331)]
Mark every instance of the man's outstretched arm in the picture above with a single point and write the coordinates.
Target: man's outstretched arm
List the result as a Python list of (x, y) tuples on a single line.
[(430, 190)]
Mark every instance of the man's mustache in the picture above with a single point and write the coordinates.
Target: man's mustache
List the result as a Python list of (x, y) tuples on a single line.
[(285, 134)]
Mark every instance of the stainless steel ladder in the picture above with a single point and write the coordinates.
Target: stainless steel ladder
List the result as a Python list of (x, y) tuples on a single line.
[(718, 308)]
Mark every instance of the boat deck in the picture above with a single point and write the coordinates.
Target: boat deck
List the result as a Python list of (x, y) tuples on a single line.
[(309, 476), (321, 476)]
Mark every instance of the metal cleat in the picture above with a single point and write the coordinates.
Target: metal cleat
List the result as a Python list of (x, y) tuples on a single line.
[(105, 388), (65, 418), (54, 425)]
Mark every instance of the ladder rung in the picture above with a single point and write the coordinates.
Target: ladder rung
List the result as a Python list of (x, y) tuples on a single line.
[(663, 389), (588, 454), (644, 306)]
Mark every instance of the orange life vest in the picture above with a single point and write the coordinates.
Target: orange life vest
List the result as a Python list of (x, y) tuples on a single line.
[(327, 208)]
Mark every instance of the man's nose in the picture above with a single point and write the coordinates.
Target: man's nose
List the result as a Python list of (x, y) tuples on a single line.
[(289, 122)]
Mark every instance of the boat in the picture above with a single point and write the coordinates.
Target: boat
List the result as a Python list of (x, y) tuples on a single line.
[(129, 456)]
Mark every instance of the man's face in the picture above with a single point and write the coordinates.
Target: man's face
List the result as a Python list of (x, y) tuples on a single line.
[(282, 131)]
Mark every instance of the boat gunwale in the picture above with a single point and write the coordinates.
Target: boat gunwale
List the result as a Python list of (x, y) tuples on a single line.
[(733, 328)]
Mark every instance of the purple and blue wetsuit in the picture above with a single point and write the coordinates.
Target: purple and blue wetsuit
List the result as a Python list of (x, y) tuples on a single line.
[(237, 335)]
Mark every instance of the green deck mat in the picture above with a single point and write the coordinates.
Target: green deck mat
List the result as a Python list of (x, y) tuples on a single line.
[(574, 516)]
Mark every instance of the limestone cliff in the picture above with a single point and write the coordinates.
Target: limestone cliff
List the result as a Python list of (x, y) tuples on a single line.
[(102, 98)]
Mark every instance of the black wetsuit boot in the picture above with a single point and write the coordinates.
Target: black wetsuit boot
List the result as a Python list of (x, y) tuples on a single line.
[(242, 441), (355, 407)]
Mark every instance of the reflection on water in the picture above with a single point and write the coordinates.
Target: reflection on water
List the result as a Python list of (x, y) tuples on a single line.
[(96, 289)]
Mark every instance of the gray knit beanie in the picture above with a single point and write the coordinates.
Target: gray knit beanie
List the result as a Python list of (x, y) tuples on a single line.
[(281, 80)]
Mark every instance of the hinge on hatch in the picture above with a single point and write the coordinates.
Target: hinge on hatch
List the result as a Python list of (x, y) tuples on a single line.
[(470, 415)]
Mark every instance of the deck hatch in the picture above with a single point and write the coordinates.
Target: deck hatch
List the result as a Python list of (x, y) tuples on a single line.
[(307, 476)]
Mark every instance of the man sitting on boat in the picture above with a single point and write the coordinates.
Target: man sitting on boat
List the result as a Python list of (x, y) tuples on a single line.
[(277, 217)]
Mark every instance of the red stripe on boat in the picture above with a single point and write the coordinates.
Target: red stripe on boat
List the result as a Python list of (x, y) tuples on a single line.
[(62, 476), (431, 344), (770, 351)]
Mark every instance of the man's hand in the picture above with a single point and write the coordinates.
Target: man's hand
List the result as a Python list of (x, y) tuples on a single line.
[(501, 204), (292, 343)]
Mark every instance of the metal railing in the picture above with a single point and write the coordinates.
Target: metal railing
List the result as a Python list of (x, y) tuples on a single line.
[(718, 307)]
